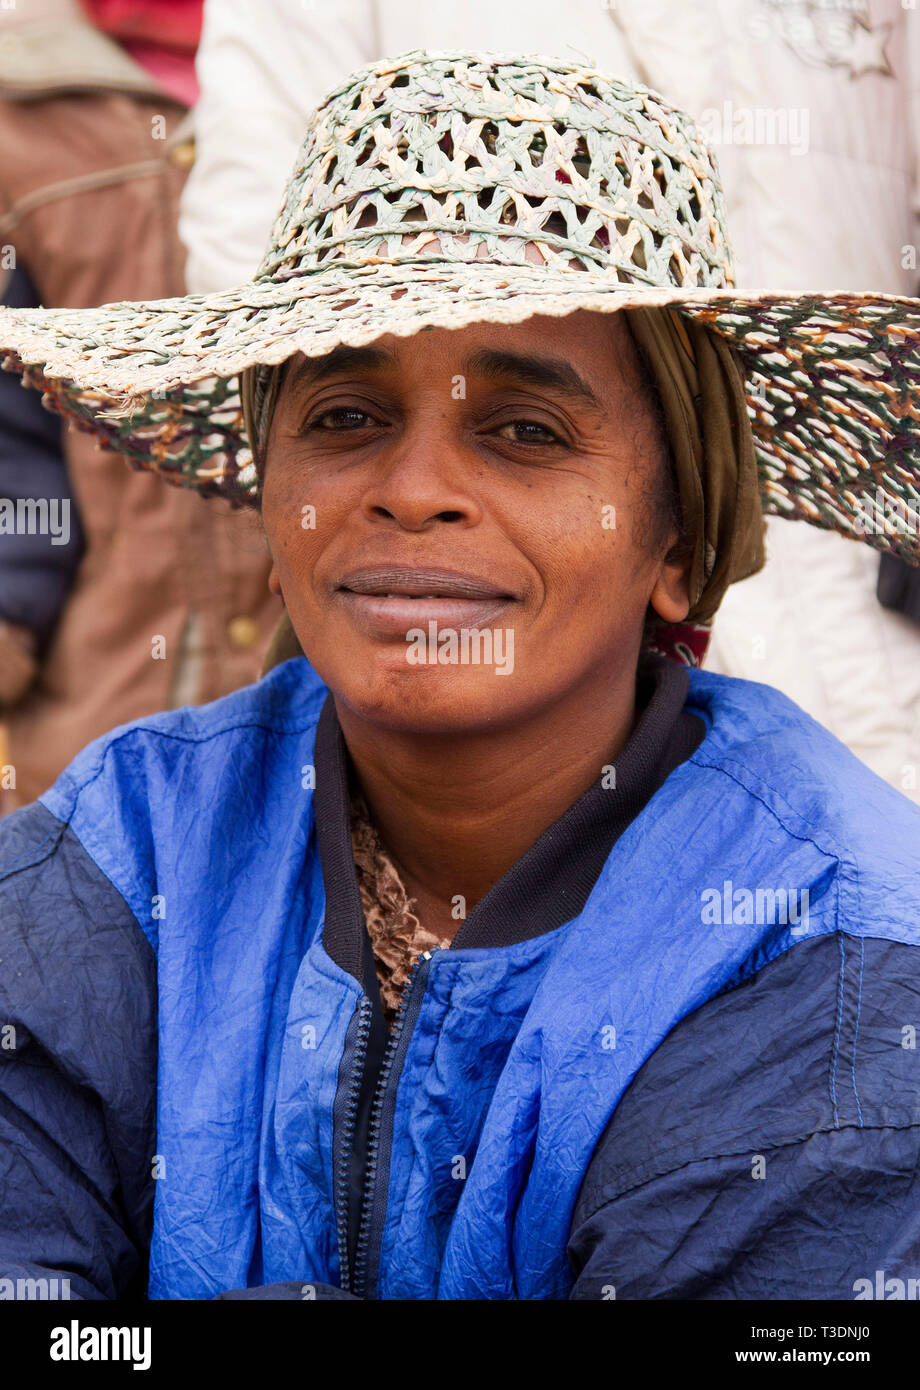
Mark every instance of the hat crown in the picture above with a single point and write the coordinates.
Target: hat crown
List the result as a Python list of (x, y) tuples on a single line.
[(462, 157)]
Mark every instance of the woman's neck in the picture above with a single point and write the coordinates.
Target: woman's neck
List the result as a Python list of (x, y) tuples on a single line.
[(456, 811)]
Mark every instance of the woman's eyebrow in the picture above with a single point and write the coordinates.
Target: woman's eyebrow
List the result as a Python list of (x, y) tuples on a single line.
[(341, 359), (555, 373)]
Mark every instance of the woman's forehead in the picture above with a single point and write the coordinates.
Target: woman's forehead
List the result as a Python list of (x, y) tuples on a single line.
[(566, 353)]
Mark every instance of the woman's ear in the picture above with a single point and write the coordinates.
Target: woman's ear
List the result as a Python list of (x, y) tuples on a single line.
[(670, 596)]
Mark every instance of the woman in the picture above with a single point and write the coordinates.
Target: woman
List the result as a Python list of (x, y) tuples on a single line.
[(488, 952)]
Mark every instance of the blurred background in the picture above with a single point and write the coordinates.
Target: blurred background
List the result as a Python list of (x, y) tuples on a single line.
[(144, 148)]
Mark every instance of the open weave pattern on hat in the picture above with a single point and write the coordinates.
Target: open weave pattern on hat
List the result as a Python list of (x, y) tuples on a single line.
[(445, 190)]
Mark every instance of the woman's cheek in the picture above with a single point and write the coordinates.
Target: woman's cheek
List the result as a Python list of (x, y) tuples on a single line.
[(301, 515), (579, 543)]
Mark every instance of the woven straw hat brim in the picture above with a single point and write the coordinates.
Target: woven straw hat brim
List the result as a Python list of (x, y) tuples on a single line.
[(832, 380)]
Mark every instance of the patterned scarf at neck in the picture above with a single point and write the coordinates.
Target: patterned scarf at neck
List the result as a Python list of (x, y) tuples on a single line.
[(397, 936)]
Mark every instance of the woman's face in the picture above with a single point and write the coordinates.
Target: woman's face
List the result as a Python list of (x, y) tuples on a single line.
[(466, 525)]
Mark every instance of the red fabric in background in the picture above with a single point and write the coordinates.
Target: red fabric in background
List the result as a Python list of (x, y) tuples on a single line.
[(160, 35)]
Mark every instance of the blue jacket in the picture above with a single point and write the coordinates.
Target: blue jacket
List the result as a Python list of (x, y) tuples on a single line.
[(677, 1093)]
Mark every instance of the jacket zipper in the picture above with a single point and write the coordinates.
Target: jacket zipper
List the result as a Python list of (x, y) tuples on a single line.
[(343, 1185), (358, 1280)]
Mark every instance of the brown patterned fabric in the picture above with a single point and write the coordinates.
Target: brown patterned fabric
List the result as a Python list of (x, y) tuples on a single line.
[(396, 933)]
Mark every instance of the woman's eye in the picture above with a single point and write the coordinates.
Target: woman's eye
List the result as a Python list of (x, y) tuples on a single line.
[(341, 418), (527, 432)]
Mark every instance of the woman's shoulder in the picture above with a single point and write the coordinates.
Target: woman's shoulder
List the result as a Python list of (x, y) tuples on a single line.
[(187, 741), (768, 743), (162, 796), (778, 767)]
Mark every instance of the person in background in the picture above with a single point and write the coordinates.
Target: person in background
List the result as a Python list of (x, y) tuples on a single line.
[(121, 597), (812, 111)]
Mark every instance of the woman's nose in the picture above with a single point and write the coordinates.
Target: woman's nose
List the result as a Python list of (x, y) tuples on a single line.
[(425, 477)]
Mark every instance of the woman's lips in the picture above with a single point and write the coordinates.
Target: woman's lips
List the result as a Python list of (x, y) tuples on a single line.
[(394, 615), (390, 602)]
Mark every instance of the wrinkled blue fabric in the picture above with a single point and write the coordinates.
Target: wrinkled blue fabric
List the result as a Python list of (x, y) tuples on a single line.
[(201, 821)]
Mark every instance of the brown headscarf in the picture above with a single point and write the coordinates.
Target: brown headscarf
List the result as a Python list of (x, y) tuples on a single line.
[(701, 386)]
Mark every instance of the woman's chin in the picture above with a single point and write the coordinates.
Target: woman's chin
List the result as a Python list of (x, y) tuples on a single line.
[(428, 700)]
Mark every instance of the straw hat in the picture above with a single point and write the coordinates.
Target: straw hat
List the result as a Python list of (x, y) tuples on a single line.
[(424, 186)]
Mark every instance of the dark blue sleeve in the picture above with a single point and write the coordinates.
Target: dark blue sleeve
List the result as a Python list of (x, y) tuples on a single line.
[(77, 1069), (770, 1147), (37, 570)]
